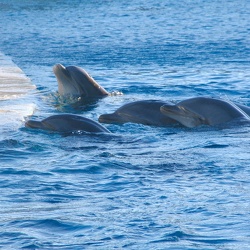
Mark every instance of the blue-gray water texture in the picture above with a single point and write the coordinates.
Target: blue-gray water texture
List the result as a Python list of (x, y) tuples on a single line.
[(144, 187)]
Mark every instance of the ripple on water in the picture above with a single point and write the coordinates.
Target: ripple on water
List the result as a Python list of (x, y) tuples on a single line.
[(179, 236), (211, 144)]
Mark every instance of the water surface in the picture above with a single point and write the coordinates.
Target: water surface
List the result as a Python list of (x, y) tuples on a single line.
[(143, 187)]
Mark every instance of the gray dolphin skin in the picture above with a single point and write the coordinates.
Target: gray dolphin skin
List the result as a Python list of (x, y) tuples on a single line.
[(246, 109), (67, 123), (145, 112), (75, 81), (202, 110)]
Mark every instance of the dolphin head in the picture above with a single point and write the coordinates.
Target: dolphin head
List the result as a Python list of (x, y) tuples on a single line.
[(75, 81), (183, 115)]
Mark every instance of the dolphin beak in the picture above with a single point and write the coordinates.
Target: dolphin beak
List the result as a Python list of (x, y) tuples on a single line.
[(109, 118), (105, 118), (64, 80), (33, 124), (58, 68)]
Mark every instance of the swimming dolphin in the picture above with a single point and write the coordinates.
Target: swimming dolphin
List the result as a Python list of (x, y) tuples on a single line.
[(202, 110), (75, 81), (67, 123), (145, 112)]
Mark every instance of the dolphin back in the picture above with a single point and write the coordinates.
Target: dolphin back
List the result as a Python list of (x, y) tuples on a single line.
[(68, 123)]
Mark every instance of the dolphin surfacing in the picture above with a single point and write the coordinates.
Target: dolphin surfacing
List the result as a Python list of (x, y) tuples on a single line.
[(75, 81), (202, 110), (67, 123), (145, 112)]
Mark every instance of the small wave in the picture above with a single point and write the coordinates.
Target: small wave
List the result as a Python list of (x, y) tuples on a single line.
[(180, 235), (215, 145), (51, 225)]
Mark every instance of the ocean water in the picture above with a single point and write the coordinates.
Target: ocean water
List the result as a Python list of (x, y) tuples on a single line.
[(142, 187)]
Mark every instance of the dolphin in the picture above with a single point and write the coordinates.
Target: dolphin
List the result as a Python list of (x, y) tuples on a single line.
[(145, 112), (67, 123), (246, 109), (202, 110), (75, 81)]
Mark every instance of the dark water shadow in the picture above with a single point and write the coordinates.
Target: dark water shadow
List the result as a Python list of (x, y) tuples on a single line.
[(71, 104)]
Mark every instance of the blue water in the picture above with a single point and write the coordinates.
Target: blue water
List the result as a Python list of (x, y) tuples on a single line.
[(143, 187)]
